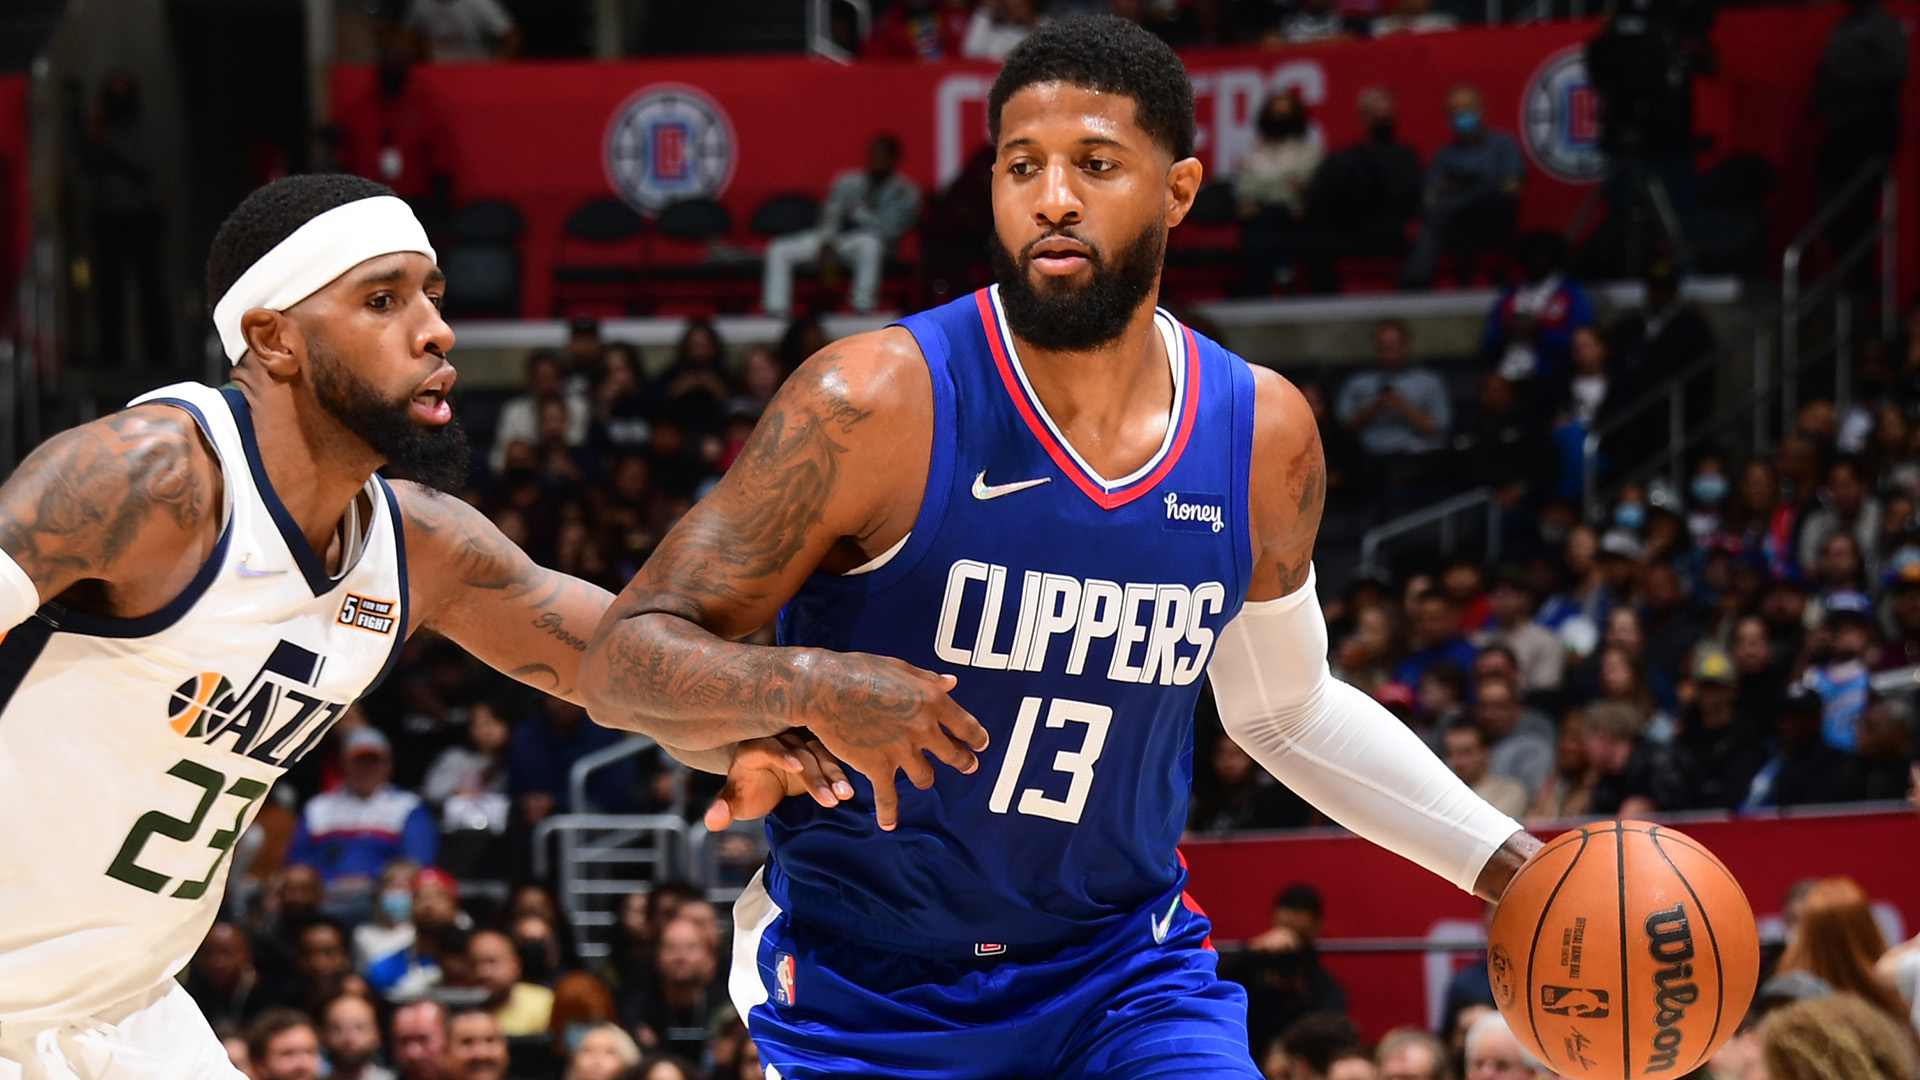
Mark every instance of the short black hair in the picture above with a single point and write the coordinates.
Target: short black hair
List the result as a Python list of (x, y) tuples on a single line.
[(1319, 1037), (269, 1026), (1109, 54), (1299, 896), (270, 215)]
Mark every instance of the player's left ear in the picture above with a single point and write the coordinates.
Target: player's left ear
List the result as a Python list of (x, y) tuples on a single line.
[(274, 339), (1183, 183)]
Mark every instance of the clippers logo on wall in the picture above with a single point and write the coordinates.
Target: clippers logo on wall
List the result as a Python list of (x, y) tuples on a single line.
[(1560, 119), (669, 142)]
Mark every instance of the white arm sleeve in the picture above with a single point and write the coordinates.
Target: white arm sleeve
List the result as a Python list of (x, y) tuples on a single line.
[(1339, 749), (19, 597)]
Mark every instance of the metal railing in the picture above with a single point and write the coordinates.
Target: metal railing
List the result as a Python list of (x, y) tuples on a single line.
[(820, 27), (583, 770), (706, 865), (1443, 515), (1749, 407), (1798, 302), (595, 859)]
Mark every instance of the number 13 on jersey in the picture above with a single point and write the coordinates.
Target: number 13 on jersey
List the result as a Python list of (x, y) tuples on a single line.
[(1077, 764)]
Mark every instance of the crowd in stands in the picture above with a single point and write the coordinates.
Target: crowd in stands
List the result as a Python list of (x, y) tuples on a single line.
[(1834, 1001), (931, 30), (1709, 648)]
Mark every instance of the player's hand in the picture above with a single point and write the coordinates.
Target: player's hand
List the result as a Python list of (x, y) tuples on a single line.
[(880, 716), (765, 771)]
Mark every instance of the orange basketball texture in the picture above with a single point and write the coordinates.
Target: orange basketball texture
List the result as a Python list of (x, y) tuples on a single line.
[(1623, 950)]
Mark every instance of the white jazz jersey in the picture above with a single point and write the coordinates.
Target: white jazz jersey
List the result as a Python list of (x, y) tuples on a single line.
[(134, 752)]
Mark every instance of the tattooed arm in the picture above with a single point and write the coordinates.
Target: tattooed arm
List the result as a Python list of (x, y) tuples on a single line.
[(114, 516), (1287, 487), (472, 584), (831, 477)]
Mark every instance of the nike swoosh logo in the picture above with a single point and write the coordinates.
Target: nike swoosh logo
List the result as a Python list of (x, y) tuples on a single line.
[(247, 571), (1160, 925), (984, 491)]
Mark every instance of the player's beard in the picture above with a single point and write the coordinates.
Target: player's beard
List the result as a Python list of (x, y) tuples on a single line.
[(1057, 315), (434, 456)]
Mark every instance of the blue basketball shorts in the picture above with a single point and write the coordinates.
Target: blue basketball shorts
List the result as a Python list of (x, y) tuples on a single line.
[(1131, 1004)]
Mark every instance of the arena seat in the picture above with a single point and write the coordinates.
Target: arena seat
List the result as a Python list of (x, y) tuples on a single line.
[(598, 256), (1203, 254), (687, 268), (482, 263)]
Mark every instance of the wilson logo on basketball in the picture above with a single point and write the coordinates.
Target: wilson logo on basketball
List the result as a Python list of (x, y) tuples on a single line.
[(1671, 946)]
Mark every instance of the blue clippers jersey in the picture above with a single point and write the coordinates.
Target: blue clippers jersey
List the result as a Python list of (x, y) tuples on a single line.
[(1078, 615)]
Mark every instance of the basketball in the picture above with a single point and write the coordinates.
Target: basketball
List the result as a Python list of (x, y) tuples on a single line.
[(1623, 950)]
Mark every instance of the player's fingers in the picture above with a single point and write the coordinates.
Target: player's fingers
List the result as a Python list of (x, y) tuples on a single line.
[(954, 752), (919, 771), (965, 728), (765, 754), (819, 785), (719, 815), (836, 776), (886, 803)]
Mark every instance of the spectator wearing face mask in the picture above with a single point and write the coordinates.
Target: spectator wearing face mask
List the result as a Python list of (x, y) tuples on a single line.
[(1706, 498), (1270, 184), (1361, 197), (1472, 193), (389, 926), (439, 927)]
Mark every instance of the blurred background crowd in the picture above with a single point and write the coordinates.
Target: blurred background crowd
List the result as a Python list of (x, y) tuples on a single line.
[(1644, 611)]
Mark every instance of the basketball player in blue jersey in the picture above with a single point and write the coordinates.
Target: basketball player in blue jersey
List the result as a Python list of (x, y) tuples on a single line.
[(1005, 539), (193, 589)]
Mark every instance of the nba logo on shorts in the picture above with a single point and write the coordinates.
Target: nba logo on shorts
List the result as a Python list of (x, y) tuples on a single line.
[(783, 978)]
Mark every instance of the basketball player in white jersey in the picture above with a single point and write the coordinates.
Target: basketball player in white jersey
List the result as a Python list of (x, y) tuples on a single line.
[(193, 589)]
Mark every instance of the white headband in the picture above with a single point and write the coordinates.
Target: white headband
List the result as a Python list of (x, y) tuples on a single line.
[(316, 253)]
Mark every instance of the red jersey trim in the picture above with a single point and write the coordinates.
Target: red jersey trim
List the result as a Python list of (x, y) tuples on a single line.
[(1089, 484)]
